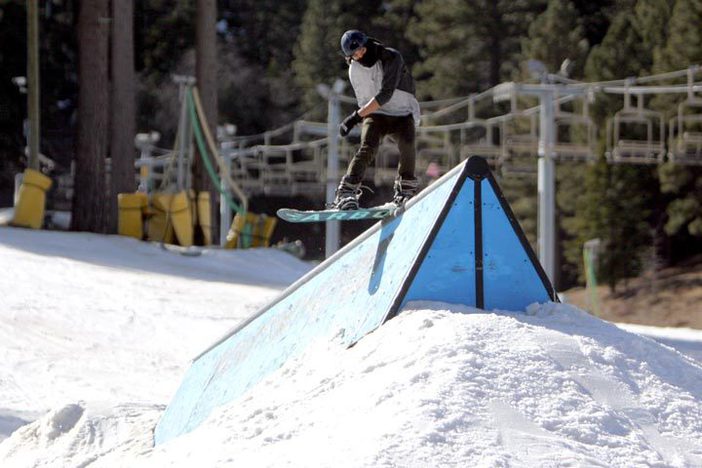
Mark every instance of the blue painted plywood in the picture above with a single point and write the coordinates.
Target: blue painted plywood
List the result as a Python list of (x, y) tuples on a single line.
[(510, 275), (344, 299), (447, 272)]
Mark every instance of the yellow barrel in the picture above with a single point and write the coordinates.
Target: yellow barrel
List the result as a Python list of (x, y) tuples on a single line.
[(250, 230), (145, 210), (182, 218), (192, 196), (29, 211), (158, 228), (264, 230), (235, 239), (204, 216), (130, 221)]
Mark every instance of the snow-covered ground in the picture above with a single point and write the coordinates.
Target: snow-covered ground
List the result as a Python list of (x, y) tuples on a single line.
[(96, 333)]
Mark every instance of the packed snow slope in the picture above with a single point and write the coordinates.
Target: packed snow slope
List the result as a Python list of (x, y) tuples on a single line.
[(98, 330), (108, 318)]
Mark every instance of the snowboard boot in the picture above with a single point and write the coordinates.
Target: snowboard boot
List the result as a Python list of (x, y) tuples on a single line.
[(404, 190), (347, 195)]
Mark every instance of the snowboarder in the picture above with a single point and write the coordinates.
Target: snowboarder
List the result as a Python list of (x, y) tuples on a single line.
[(384, 90)]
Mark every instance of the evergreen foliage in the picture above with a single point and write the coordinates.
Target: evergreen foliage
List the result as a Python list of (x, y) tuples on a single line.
[(165, 29), (683, 46), (390, 27), (12, 103), (629, 191), (595, 17), (682, 49), (318, 57), (264, 31), (556, 35), (469, 46)]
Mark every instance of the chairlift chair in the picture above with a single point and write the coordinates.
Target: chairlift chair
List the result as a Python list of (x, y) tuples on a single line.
[(685, 134), (519, 149), (571, 150), (650, 150), (484, 145), (435, 152), (245, 166), (307, 171), (518, 142)]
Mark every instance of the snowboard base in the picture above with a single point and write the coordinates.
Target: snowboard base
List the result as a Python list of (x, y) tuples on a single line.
[(318, 216)]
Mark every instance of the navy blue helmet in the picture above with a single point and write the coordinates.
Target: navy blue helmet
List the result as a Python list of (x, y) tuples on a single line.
[(351, 41)]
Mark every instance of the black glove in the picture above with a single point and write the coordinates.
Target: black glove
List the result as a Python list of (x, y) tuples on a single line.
[(349, 122)]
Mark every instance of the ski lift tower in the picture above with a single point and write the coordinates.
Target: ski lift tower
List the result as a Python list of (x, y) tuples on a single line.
[(546, 91), (332, 94)]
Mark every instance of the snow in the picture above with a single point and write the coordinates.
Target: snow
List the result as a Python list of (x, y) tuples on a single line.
[(96, 333), (686, 340)]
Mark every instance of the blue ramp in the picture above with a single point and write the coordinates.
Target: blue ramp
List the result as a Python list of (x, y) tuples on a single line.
[(477, 254), (456, 242)]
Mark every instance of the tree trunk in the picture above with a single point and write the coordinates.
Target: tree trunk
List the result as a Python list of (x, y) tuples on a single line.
[(123, 124), (495, 40), (206, 74), (89, 195)]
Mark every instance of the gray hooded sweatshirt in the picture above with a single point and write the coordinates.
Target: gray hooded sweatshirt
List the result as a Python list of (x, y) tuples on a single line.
[(383, 75)]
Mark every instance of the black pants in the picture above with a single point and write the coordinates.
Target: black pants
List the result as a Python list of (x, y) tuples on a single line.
[(373, 129)]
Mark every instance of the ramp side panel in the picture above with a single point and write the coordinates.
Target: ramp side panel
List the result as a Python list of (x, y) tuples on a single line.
[(343, 301), (511, 278), (447, 273)]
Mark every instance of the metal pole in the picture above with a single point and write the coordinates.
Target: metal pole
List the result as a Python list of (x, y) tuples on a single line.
[(225, 211), (33, 82), (185, 129), (333, 228), (183, 142), (18, 183), (145, 169), (546, 185)]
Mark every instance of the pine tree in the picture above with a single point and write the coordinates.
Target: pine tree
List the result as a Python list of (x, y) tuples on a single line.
[(123, 102), (469, 46), (390, 27), (317, 53), (651, 20), (556, 35), (88, 213), (165, 30), (206, 74), (683, 184), (595, 17), (13, 62), (621, 195), (264, 31)]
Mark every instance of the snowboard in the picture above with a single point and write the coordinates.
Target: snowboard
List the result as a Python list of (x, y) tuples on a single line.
[(319, 216)]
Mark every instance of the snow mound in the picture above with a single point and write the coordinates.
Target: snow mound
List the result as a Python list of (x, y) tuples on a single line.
[(443, 385), (439, 385), (79, 435)]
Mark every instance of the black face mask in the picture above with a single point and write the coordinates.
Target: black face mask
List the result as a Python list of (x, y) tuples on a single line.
[(371, 55)]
